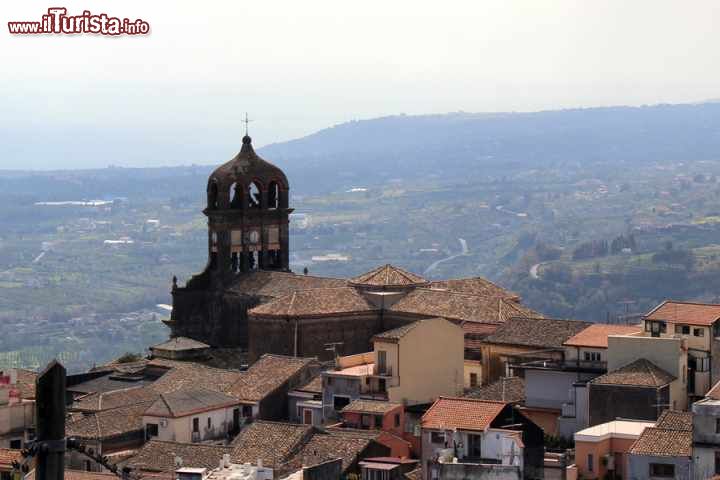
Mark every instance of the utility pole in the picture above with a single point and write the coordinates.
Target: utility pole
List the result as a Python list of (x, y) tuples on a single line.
[(50, 422)]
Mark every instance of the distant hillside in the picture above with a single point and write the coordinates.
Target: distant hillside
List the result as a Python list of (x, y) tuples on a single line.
[(462, 144)]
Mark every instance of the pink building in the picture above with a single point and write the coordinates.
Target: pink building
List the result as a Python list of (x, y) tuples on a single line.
[(603, 448)]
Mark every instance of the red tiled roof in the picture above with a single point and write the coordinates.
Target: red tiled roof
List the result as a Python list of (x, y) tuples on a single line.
[(388, 276), (640, 373), (596, 335), (704, 314), (8, 456), (315, 302), (449, 413), (662, 442), (266, 375)]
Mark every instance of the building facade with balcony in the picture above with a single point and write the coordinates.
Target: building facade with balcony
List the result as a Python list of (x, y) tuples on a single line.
[(699, 325), (469, 438), (412, 364)]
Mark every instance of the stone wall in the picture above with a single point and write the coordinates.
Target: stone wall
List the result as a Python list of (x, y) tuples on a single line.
[(608, 402)]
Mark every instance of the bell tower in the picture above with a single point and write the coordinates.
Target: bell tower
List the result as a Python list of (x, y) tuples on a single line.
[(248, 216)]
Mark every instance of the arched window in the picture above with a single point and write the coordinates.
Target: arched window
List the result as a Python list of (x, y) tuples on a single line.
[(273, 195), (236, 196), (213, 196), (254, 195)]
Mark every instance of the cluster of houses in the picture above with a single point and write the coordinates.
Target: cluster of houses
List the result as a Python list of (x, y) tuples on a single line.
[(433, 400)]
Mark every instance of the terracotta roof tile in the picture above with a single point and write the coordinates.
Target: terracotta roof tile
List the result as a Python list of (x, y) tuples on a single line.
[(388, 276), (462, 414), (8, 456), (319, 301), (268, 284), (159, 456), (475, 286), (273, 442), (675, 420), (641, 372), (458, 306), (180, 343), (95, 402), (325, 446), (370, 406), (185, 402), (536, 332), (596, 335), (509, 389), (186, 375), (107, 423), (313, 386), (268, 374), (397, 333), (684, 312), (661, 442)]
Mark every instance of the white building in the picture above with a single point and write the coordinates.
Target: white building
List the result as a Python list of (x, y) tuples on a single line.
[(192, 416)]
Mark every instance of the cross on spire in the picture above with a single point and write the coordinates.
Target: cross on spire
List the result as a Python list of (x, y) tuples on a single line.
[(246, 121)]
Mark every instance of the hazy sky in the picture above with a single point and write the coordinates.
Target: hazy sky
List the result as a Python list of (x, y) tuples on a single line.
[(298, 66)]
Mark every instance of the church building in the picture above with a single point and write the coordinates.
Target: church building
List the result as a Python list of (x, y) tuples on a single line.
[(248, 298)]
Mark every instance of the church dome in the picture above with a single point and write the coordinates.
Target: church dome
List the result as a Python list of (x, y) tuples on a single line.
[(232, 182)]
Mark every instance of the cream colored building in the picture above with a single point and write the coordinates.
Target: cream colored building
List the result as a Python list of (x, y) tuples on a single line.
[(192, 416), (670, 354), (699, 325), (421, 361)]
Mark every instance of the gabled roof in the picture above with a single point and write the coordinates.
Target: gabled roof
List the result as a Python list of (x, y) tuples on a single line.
[(266, 375), (458, 306), (675, 420), (449, 413), (316, 302), (388, 276), (394, 335), (159, 456), (272, 442), (640, 373), (596, 335), (108, 423), (714, 392), (475, 286), (187, 375), (702, 314), (327, 445), (506, 389), (270, 284), (180, 344), (536, 332), (185, 402), (662, 442), (95, 402), (370, 406)]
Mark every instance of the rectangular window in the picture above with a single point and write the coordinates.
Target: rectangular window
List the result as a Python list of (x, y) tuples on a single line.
[(16, 444), (209, 423), (378, 421), (151, 430), (473, 380), (717, 425), (699, 332), (717, 462), (437, 437), (329, 381), (196, 424), (590, 466), (587, 356), (382, 361), (340, 402), (682, 329), (247, 411), (662, 470), (365, 421)]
